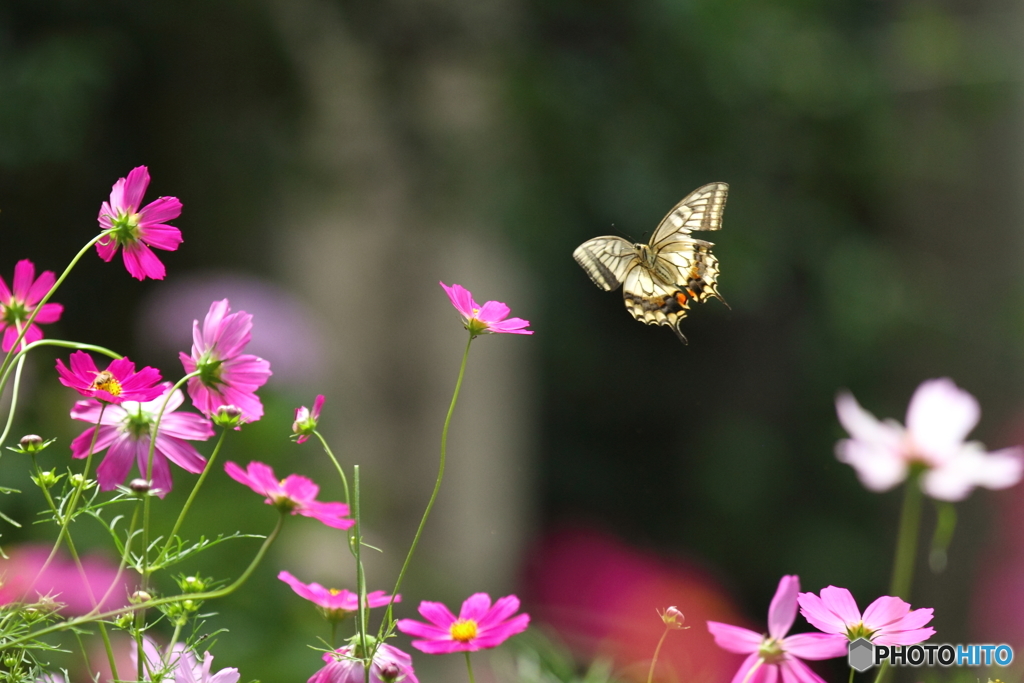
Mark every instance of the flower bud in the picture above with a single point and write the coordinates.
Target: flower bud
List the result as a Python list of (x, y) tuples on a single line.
[(192, 584), (31, 444), (140, 596), (673, 618), (46, 479), (139, 486), (228, 417), (390, 672)]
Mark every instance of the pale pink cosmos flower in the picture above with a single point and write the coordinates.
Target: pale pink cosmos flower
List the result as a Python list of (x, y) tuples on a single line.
[(939, 418), (179, 665), (25, 580), (479, 625), (118, 383), (226, 375), (886, 621), (125, 429), (489, 317), (390, 665), (294, 494), (18, 302), (138, 229), (775, 654), (335, 603), (306, 419)]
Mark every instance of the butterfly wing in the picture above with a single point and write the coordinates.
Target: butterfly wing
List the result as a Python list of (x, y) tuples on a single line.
[(606, 260), (652, 302), (700, 210)]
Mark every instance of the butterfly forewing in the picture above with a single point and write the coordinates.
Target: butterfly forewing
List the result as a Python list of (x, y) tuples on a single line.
[(606, 260), (700, 210)]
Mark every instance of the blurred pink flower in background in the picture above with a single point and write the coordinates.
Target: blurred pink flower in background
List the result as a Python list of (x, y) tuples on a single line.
[(287, 332), (179, 665), (294, 493), (118, 383), (939, 418), (776, 654), (601, 595), (479, 625), (390, 665), (486, 318), (337, 604), (135, 229), (886, 621), (61, 580), (125, 429), (18, 303), (226, 375)]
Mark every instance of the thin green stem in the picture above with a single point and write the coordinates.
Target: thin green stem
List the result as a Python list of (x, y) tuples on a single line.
[(882, 671), (469, 667), (388, 618), (906, 539), (191, 497), (14, 399), (337, 465), (851, 675), (654, 660), (362, 605), (42, 302), (155, 602)]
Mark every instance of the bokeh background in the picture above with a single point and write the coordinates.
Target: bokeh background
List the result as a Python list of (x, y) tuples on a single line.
[(336, 159)]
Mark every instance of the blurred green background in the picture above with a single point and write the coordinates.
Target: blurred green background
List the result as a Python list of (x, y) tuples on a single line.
[(871, 238)]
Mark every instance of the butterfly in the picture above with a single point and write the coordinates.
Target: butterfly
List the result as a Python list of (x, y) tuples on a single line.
[(660, 279)]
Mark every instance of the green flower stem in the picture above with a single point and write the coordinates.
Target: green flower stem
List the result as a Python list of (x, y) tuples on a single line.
[(469, 667), (388, 618), (188, 503), (337, 466), (906, 539), (124, 558), (362, 607), (20, 358), (42, 302), (155, 602), (654, 660), (851, 675)]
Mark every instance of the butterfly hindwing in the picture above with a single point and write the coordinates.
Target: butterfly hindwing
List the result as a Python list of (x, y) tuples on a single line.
[(606, 260), (660, 280)]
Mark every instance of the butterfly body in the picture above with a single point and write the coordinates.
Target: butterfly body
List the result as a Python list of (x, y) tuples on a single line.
[(660, 279)]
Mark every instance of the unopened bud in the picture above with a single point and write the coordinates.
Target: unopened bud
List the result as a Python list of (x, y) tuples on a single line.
[(673, 618), (31, 442), (192, 584), (139, 486), (47, 479), (390, 672), (228, 416), (140, 597)]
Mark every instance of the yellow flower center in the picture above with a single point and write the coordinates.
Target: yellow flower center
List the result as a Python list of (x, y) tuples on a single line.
[(463, 631), (333, 591), (105, 381)]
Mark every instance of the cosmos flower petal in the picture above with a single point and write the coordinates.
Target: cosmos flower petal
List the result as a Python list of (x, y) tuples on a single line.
[(816, 645), (24, 276), (819, 615), (503, 609), (841, 603), (475, 607), (782, 611), (940, 416), (437, 614), (493, 311), (735, 638), (418, 629), (883, 611)]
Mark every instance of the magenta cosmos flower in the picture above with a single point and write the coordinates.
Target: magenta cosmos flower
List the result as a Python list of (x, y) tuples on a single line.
[(294, 494), (118, 383), (125, 430), (306, 419), (18, 303), (478, 626), (491, 317), (775, 654), (179, 665), (135, 229), (390, 665), (335, 603), (226, 375), (886, 621), (939, 418)]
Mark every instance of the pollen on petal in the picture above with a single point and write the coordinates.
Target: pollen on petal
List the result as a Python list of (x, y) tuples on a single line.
[(107, 382)]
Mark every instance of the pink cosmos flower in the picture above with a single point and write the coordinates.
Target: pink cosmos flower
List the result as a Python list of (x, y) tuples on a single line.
[(61, 580), (390, 665), (491, 317), (138, 229), (17, 305), (125, 429), (336, 604), (226, 375), (886, 621), (181, 664), (294, 494), (939, 418), (478, 626), (305, 420), (775, 654), (118, 383)]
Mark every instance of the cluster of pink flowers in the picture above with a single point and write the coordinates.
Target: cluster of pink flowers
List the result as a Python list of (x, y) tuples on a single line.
[(887, 621)]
